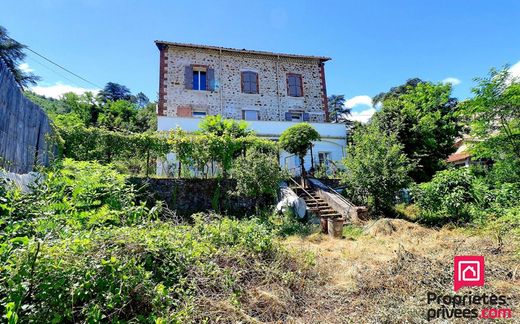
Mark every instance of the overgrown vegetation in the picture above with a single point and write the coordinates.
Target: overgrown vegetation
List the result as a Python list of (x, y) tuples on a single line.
[(79, 248)]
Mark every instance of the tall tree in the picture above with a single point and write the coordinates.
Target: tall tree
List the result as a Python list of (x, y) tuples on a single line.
[(377, 168), (493, 116), (11, 52), (338, 111), (422, 117), (113, 92)]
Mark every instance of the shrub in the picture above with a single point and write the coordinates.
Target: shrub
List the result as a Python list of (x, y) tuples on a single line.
[(465, 194), (376, 169), (74, 195), (298, 140), (150, 273), (257, 174), (448, 195)]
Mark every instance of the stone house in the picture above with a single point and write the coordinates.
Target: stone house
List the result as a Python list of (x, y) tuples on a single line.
[(271, 91)]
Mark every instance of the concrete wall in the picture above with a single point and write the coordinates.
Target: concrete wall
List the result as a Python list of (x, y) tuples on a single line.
[(227, 98), (333, 138), (24, 128)]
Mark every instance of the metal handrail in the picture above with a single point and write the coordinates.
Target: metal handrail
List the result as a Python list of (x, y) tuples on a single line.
[(308, 194)]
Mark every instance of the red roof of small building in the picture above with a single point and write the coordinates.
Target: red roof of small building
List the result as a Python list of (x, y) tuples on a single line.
[(455, 157)]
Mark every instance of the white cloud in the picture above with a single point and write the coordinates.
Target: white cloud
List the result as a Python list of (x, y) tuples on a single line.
[(452, 80), (58, 89), (515, 70), (358, 100), (25, 68), (365, 108), (363, 115)]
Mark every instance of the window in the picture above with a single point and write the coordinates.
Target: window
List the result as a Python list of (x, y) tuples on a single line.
[(324, 157), (294, 85), (199, 114), (250, 115), (199, 80), (249, 82), (296, 116)]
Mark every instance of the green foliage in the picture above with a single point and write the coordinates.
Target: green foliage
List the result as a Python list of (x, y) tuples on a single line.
[(493, 115), (134, 151), (201, 150), (155, 272), (338, 111), (219, 126), (448, 195), (257, 174), (73, 196), (298, 140), (422, 117), (463, 195), (376, 169), (12, 54)]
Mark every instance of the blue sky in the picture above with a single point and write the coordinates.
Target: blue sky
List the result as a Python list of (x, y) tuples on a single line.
[(374, 44)]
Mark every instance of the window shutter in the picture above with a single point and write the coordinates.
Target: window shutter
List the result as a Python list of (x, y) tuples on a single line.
[(257, 86), (306, 117), (210, 79), (288, 116), (242, 80), (188, 77)]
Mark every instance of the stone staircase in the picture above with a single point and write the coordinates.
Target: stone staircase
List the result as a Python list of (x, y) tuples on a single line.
[(316, 205)]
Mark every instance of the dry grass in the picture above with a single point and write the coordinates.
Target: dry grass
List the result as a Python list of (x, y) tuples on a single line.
[(383, 276)]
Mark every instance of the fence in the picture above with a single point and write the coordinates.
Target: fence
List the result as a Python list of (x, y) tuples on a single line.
[(24, 128)]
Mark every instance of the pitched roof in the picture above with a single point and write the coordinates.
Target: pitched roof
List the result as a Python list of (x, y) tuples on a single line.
[(455, 157), (159, 43)]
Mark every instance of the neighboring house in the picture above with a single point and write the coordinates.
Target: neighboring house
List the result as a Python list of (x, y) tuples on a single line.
[(271, 91), (462, 156)]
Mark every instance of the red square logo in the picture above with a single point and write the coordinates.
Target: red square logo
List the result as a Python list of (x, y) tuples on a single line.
[(468, 271)]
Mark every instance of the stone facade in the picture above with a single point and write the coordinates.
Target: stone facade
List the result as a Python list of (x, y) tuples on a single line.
[(224, 95)]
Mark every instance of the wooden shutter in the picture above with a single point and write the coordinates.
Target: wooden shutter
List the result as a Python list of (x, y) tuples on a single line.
[(288, 116), (188, 77), (306, 117), (257, 86), (210, 79), (242, 75)]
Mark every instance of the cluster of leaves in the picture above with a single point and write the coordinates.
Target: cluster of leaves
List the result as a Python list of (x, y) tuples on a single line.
[(220, 141), (257, 174), (298, 140), (464, 195), (377, 168), (422, 117), (79, 249), (134, 152), (114, 108), (493, 117), (11, 54)]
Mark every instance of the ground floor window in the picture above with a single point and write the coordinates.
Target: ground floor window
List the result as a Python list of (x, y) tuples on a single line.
[(199, 114), (250, 114), (324, 157)]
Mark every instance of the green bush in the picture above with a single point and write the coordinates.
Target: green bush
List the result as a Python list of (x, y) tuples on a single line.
[(156, 271), (72, 196), (465, 194), (448, 195)]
